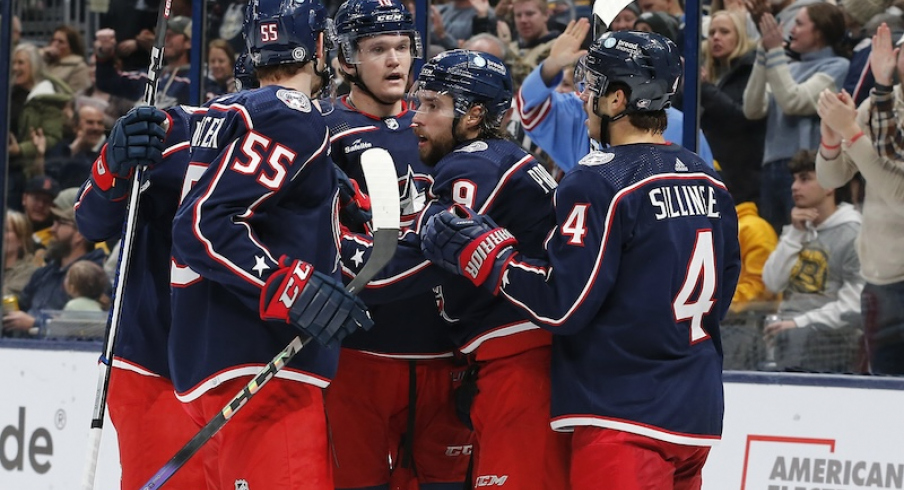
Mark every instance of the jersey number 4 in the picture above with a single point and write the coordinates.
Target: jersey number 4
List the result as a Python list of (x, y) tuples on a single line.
[(701, 277)]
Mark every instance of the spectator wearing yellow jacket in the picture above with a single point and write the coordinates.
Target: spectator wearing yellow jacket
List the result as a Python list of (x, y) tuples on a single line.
[(758, 240)]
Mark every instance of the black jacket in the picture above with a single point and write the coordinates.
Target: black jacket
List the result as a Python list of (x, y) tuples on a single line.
[(737, 142)]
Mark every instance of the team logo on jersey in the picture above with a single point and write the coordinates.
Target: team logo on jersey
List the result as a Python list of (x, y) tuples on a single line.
[(596, 158), (474, 147), (241, 485), (391, 123), (295, 100), (411, 199), (680, 166)]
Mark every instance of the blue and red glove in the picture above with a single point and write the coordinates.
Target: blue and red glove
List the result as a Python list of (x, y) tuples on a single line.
[(312, 302), (354, 203), (136, 140), (468, 244)]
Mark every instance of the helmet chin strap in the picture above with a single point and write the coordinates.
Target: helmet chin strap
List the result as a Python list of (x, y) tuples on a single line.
[(326, 78), (605, 121), (356, 80)]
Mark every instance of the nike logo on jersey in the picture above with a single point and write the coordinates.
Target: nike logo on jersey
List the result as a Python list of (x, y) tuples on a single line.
[(675, 201)]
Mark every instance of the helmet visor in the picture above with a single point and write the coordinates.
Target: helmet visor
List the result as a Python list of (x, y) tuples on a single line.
[(585, 79), (379, 47), (426, 102)]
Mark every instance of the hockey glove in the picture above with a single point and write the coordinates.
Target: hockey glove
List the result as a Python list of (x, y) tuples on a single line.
[(468, 244), (312, 302), (136, 140), (355, 205)]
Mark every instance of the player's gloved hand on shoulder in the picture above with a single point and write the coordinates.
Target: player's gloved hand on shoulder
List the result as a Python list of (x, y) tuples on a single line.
[(354, 203), (312, 302), (136, 140), (468, 244)]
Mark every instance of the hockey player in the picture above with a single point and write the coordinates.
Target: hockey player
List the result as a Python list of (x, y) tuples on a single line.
[(463, 96), (635, 279), (150, 422), (392, 394), (555, 121), (256, 237)]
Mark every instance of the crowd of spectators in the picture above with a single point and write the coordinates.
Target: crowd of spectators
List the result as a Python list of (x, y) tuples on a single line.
[(798, 107)]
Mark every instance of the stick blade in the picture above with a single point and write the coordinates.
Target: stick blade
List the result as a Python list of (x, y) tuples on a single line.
[(604, 12), (383, 188)]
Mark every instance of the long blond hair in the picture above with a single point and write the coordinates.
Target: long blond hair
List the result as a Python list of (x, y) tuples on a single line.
[(22, 228), (715, 70)]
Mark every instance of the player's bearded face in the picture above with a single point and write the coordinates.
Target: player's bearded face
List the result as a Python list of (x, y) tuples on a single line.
[(433, 126)]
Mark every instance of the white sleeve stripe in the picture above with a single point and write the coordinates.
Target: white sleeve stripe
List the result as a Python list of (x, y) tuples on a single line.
[(532, 117), (177, 147), (502, 181), (349, 132), (238, 108), (208, 245), (610, 214)]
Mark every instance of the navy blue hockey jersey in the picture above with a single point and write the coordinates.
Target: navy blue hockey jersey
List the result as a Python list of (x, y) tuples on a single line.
[(494, 177), (638, 274), (141, 341), (264, 186), (410, 328)]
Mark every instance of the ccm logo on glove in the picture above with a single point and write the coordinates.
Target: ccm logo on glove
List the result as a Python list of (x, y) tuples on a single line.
[(299, 277)]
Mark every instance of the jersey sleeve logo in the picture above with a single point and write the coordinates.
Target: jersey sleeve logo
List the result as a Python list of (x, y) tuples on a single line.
[(295, 100), (474, 147), (596, 158)]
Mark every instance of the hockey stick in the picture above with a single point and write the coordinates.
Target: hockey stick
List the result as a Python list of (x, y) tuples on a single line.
[(604, 12), (103, 375), (382, 183)]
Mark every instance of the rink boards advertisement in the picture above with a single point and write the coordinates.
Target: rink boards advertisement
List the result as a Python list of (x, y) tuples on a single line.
[(782, 432), (45, 416)]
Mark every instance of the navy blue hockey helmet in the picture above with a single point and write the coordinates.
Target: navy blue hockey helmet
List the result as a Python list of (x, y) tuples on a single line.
[(469, 77), (358, 19), (284, 31), (647, 63)]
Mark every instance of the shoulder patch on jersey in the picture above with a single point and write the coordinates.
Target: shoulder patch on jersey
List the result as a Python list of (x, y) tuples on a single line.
[(596, 158), (474, 147), (295, 100)]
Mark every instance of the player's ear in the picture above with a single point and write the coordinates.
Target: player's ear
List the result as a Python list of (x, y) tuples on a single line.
[(474, 116), (618, 101)]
